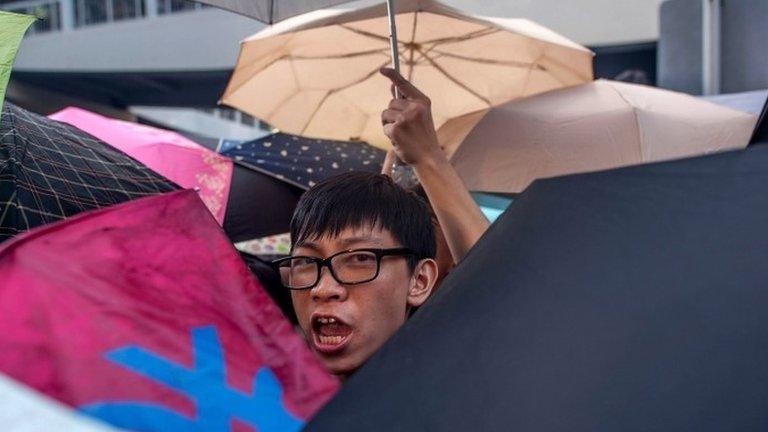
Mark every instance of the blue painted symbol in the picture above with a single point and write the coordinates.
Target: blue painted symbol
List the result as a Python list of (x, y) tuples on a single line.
[(205, 384)]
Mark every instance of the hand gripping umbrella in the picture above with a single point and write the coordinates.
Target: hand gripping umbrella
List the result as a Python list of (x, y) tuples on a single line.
[(272, 11), (317, 75)]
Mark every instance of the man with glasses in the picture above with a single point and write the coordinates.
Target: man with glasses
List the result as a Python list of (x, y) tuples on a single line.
[(362, 259), (363, 254)]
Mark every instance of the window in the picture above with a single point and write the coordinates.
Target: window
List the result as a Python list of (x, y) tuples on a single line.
[(171, 6), (228, 114), (46, 11), (247, 120), (89, 12), (126, 9)]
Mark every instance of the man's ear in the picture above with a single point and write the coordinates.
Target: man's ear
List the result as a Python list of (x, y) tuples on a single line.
[(422, 282)]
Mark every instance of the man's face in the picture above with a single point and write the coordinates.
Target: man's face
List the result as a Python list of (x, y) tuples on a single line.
[(346, 324)]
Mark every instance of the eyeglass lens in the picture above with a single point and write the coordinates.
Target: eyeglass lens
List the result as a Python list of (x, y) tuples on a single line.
[(348, 268)]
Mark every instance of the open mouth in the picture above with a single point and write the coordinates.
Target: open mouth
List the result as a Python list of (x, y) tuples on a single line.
[(330, 334)]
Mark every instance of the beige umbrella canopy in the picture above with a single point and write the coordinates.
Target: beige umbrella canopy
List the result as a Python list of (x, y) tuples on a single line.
[(594, 126), (317, 74)]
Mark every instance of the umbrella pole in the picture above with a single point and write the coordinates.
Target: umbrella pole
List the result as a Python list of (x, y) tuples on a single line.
[(393, 39), (402, 173)]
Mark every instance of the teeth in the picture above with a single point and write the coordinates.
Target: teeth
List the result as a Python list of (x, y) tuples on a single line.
[(330, 340), (326, 320)]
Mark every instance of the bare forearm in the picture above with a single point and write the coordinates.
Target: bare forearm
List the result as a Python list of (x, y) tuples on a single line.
[(461, 219), (408, 123)]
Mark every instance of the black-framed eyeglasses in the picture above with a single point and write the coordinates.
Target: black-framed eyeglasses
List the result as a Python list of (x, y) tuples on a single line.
[(350, 267)]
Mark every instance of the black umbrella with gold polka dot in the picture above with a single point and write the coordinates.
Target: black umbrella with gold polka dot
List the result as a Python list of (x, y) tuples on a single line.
[(301, 161)]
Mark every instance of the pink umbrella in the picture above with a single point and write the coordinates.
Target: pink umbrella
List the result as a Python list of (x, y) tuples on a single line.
[(144, 316), (177, 158)]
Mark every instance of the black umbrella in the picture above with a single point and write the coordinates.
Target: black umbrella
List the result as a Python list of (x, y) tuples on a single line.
[(302, 161), (51, 170), (627, 300), (259, 205), (760, 135), (270, 280)]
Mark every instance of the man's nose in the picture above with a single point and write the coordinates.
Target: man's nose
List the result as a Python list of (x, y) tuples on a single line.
[(328, 288)]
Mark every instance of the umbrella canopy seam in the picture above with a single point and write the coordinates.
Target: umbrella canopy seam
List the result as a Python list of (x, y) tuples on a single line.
[(335, 91), (635, 119)]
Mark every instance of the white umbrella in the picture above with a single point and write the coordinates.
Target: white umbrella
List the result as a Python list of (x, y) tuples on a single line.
[(22, 409), (599, 125), (317, 74)]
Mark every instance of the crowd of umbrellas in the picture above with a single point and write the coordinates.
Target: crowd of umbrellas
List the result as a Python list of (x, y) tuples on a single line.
[(132, 259)]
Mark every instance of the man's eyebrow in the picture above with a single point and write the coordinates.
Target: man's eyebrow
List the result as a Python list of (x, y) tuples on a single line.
[(308, 245), (354, 240)]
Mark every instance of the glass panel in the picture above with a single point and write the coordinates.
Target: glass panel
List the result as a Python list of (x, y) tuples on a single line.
[(125, 9), (227, 113), (43, 14), (47, 16), (181, 5), (247, 120), (94, 11), (265, 126), (170, 6)]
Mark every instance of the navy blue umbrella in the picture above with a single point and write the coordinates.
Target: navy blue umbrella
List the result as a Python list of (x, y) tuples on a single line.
[(303, 162)]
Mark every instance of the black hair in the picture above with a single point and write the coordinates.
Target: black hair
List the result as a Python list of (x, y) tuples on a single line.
[(356, 199), (421, 193)]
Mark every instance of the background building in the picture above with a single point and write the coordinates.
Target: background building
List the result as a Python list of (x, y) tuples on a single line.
[(168, 61)]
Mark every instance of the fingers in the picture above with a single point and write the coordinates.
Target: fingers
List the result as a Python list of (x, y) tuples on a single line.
[(391, 116), (386, 168), (389, 131), (399, 104), (402, 84)]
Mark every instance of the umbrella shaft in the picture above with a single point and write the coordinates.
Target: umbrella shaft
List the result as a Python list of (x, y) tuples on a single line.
[(401, 172), (393, 38)]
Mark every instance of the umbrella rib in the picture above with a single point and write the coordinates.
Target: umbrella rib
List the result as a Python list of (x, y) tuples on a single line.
[(411, 64), (471, 35), (268, 117), (456, 81), (383, 51), (337, 56), (334, 91), (511, 63), (365, 33)]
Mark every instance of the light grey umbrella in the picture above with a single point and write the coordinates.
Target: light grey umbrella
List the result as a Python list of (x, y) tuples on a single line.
[(272, 11)]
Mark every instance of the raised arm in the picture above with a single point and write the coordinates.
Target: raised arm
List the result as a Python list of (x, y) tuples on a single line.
[(408, 124)]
